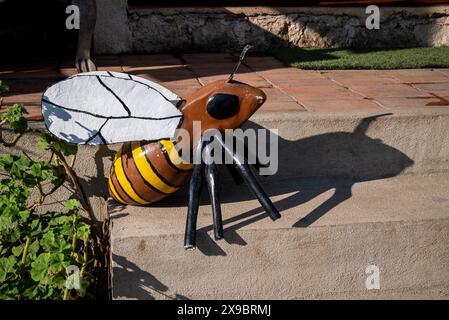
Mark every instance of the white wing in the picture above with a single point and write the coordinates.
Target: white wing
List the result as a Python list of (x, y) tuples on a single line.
[(109, 107)]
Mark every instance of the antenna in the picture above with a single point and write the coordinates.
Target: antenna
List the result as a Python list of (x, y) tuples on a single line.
[(242, 56)]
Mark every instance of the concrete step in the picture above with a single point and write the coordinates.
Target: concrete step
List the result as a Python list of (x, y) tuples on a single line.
[(353, 189), (331, 230)]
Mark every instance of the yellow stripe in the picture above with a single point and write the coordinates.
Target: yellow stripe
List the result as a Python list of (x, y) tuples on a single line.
[(174, 156), (124, 183), (114, 192), (147, 172)]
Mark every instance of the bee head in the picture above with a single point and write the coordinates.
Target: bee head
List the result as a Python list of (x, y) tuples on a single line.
[(223, 104)]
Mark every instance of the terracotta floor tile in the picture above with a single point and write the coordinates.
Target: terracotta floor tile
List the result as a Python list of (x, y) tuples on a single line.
[(292, 73), (263, 63), (362, 77), (294, 83), (109, 68), (280, 106), (438, 88), (170, 75), (433, 86), (254, 81), (25, 98), (274, 94), (210, 58), (389, 90), (287, 89), (339, 105), (149, 60), (419, 76), (444, 71), (317, 92), (419, 102), (143, 69), (32, 73)]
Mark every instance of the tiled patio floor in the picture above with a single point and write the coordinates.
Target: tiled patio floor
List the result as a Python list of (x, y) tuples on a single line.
[(288, 89)]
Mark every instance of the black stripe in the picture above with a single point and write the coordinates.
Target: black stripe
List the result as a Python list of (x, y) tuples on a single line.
[(167, 157), (130, 79), (126, 176), (154, 168), (111, 75), (104, 117), (140, 174), (98, 133), (118, 187), (115, 95), (102, 138)]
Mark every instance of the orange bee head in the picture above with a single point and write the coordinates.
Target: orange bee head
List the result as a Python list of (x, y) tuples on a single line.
[(223, 105)]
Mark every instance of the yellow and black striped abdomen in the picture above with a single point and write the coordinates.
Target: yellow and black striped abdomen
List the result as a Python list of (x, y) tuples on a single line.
[(143, 172)]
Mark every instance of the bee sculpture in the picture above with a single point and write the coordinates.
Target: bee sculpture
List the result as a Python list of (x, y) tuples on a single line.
[(110, 107)]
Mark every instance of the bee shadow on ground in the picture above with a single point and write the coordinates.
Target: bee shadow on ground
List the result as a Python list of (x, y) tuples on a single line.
[(339, 160), (131, 282)]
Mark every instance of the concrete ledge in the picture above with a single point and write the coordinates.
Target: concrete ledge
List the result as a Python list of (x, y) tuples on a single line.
[(359, 145), (326, 145)]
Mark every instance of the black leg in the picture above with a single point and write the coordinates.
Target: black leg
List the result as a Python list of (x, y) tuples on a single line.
[(211, 175), (257, 190), (249, 153), (252, 183), (196, 182), (235, 174)]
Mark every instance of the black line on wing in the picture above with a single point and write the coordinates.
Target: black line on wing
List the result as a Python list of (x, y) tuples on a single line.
[(102, 138), (115, 95), (109, 73), (130, 79), (98, 133), (104, 117)]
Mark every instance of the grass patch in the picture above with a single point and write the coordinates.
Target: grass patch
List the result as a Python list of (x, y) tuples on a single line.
[(437, 57)]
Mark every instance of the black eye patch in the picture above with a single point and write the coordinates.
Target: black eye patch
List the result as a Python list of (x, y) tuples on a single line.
[(223, 106)]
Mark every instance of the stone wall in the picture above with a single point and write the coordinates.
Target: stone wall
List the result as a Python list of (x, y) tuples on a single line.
[(123, 29)]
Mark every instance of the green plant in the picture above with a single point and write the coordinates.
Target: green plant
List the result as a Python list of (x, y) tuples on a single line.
[(3, 87), (37, 247)]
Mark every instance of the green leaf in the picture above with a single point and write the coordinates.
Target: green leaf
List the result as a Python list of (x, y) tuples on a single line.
[(5, 223), (58, 262), (39, 268), (83, 231), (42, 143), (24, 214), (15, 117), (64, 147), (7, 265), (72, 204), (36, 169), (84, 284), (48, 241), (17, 251), (3, 87), (7, 159), (34, 247)]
